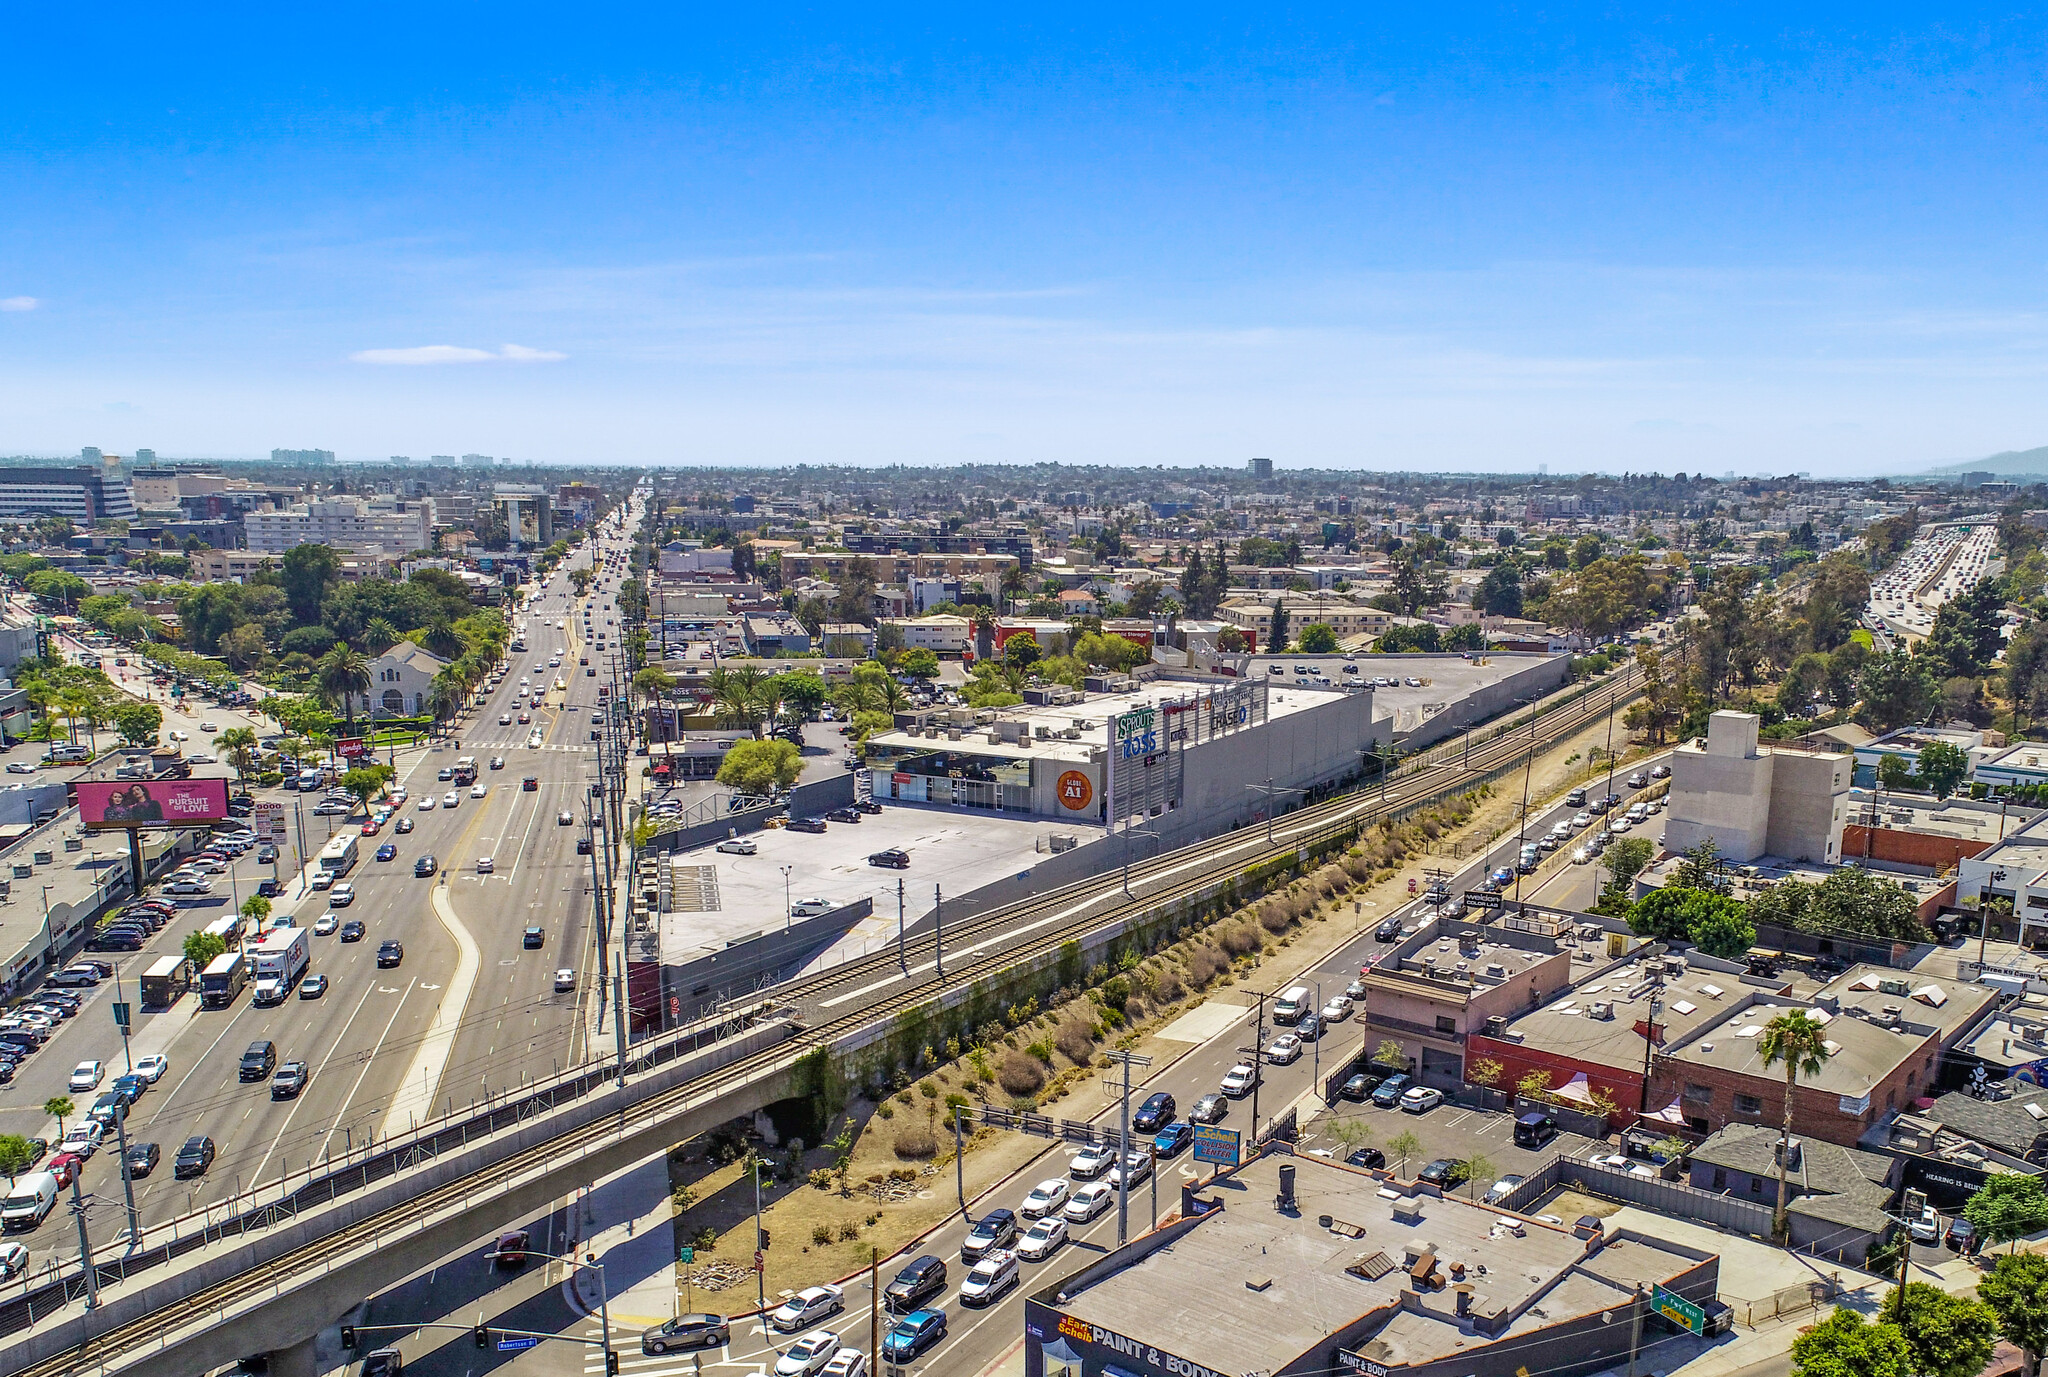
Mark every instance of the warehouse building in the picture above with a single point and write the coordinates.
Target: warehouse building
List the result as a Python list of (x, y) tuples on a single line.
[(1296, 1266)]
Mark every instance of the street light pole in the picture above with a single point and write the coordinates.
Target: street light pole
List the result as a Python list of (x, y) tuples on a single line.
[(1123, 1146), (788, 913)]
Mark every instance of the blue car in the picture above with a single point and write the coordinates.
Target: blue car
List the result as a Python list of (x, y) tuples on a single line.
[(913, 1334), (387, 851), (1174, 1137)]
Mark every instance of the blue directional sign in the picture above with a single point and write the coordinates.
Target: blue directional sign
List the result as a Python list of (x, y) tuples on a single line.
[(1213, 1144), (513, 1342)]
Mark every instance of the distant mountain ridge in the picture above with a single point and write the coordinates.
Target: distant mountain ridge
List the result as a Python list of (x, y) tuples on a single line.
[(2013, 463)]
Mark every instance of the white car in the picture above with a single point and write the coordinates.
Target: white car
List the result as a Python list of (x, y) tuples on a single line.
[(810, 908), (738, 846), (322, 879), (1091, 1161), (1045, 1198), (1138, 1164), (1043, 1240), (808, 1354), (847, 1362), (1283, 1049), (1337, 1010), (486, 865), (427, 803), (479, 790), (342, 895), (152, 1067), (190, 885), (991, 1277), (13, 1260), (1239, 1080), (1581, 856), (84, 1137), (565, 980), (1089, 1201), (1420, 1099), (325, 924), (451, 799), (807, 1307), (86, 1076)]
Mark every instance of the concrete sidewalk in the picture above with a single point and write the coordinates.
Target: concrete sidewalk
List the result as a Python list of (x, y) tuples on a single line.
[(638, 1253)]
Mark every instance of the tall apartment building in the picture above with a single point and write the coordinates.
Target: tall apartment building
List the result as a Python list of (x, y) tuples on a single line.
[(1752, 800), (302, 456), (382, 525), (1260, 469), (84, 494)]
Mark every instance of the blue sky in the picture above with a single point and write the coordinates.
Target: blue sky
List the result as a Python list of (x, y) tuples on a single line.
[(1489, 239)]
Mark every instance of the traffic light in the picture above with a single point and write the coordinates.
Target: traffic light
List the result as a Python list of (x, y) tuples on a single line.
[(482, 1336), (764, 1240), (348, 1336), (611, 1365)]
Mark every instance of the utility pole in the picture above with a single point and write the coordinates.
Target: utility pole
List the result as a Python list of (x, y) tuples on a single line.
[(760, 1238), (875, 1302), (1123, 1146), (938, 934), (1258, 1056), (597, 909), (1129, 832), (902, 957), (959, 1160), (1635, 1328), (1522, 835), (92, 1272), (1269, 791), (1650, 1034)]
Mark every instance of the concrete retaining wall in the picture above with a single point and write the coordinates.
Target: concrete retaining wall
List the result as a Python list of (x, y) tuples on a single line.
[(753, 963)]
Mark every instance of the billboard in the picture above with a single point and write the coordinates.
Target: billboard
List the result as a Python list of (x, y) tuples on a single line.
[(1214, 1144), (152, 802), (352, 749)]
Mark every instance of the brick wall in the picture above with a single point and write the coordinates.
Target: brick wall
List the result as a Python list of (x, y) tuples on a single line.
[(1624, 1088), (1907, 848)]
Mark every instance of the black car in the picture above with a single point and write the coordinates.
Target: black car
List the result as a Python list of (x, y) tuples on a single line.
[(686, 1331), (143, 1157), (425, 866), (843, 814), (1210, 1109), (892, 859), (1389, 931), (916, 1283), (1360, 1086), (1444, 1172), (259, 1061), (583, 846), (353, 930), (533, 937), (193, 1159), (390, 954), (1369, 1157), (1153, 1115), (996, 1229), (867, 805), (806, 824)]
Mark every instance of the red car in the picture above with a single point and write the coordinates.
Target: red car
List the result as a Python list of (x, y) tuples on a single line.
[(372, 828), (65, 1165)]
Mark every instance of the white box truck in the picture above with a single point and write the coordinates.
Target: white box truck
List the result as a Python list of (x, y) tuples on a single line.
[(278, 962)]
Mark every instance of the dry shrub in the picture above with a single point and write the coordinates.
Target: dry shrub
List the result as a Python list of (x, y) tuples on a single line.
[(1242, 939), (916, 1144), (1166, 984), (1358, 868), (1205, 964), (1076, 1041), (1275, 919), (1134, 1009), (1021, 1074)]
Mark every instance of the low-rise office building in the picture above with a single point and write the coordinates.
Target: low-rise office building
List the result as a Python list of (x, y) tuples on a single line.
[(1296, 1267), (83, 493), (381, 525)]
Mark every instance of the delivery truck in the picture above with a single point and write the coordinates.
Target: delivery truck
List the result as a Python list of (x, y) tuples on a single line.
[(222, 980), (278, 961)]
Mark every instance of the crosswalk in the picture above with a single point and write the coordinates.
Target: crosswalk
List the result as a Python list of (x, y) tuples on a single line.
[(634, 1363)]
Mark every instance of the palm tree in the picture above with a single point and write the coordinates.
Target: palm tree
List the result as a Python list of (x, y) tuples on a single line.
[(239, 742), (341, 675), (1800, 1041), (379, 636), (446, 695), (443, 640), (736, 695)]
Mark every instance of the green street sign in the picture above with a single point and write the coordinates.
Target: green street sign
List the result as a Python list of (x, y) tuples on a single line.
[(121, 1014), (686, 1255), (1678, 1310)]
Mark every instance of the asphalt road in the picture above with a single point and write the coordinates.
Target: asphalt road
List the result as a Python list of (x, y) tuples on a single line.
[(362, 1039)]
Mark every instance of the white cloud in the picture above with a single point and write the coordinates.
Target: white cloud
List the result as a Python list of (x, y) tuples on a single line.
[(18, 303), (453, 353)]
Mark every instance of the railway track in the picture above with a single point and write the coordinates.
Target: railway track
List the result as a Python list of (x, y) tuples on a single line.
[(1420, 781)]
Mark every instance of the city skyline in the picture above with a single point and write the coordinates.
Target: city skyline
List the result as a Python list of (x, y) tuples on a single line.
[(1479, 244)]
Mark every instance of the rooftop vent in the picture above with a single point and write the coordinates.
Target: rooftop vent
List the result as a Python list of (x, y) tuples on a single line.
[(1788, 1151), (1284, 1201)]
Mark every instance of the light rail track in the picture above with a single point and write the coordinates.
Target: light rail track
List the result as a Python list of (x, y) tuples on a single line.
[(1058, 921)]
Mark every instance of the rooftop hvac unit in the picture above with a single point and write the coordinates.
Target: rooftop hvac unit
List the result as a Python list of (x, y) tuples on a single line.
[(1496, 970), (1042, 732), (2034, 1032), (1496, 1025), (1603, 1008), (953, 734)]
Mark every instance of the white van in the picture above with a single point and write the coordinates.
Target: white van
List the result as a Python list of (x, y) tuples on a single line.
[(29, 1201), (1292, 1004)]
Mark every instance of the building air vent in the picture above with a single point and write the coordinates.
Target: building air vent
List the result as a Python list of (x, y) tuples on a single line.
[(1600, 1008)]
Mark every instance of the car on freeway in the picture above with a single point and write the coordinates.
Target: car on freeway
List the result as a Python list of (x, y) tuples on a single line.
[(1045, 1198), (532, 937), (193, 1158), (686, 1331), (1136, 1165), (565, 980), (388, 851), (497, 762), (1170, 1140), (1155, 1114), (1639, 780), (425, 866), (353, 930), (912, 1335), (1090, 1162), (1043, 1239), (452, 799), (479, 790), (312, 987), (996, 1229), (1388, 931), (65, 1166), (289, 1080), (1239, 1080), (806, 1308), (1388, 1092), (991, 1279), (1444, 1173), (1420, 1099), (427, 803), (390, 954), (143, 1157), (189, 885), (342, 895), (486, 865), (1210, 1109), (1660, 772), (1337, 1010), (152, 1067), (1283, 1049), (895, 858)]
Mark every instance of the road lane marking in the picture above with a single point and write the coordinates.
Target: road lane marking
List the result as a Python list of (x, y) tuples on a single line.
[(368, 1061)]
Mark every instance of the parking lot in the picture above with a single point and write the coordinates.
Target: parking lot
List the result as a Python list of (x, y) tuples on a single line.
[(1447, 1131)]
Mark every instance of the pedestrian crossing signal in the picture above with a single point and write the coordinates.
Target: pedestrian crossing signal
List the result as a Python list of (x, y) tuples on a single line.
[(611, 1364), (348, 1336)]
